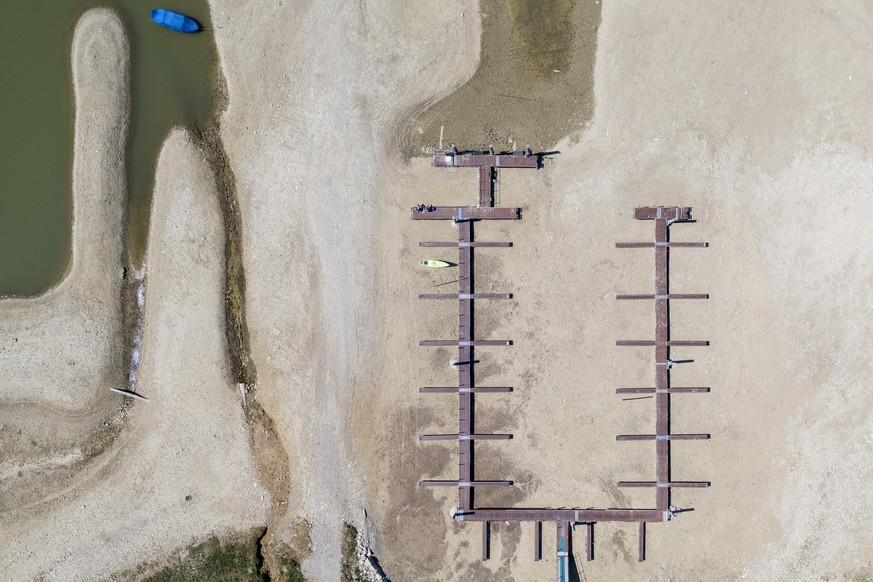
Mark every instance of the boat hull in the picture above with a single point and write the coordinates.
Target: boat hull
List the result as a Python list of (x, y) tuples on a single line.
[(434, 264), (174, 20)]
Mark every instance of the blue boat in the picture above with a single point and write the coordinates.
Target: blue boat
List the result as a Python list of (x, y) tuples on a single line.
[(174, 20)]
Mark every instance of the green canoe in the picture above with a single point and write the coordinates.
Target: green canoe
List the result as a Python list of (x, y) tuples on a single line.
[(434, 263)]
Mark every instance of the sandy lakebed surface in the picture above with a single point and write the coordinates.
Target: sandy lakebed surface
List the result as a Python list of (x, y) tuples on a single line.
[(756, 115)]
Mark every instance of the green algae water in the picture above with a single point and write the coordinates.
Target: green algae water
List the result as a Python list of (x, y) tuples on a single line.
[(172, 82)]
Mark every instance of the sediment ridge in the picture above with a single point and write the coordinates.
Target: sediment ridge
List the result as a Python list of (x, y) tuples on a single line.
[(60, 352)]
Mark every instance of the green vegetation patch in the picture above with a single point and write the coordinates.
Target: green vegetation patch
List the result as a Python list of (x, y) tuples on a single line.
[(215, 561), (234, 558), (350, 571), (285, 568), (238, 558), (208, 139)]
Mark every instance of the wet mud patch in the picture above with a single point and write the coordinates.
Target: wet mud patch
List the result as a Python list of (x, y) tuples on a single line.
[(284, 550), (505, 538), (534, 84), (499, 417), (493, 463), (414, 512), (618, 497), (619, 547), (492, 364), (39, 459), (440, 356)]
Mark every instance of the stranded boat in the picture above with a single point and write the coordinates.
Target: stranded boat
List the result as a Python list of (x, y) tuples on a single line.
[(174, 20), (434, 263)]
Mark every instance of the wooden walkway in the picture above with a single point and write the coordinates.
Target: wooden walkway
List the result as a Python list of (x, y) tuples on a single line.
[(662, 343), (464, 217)]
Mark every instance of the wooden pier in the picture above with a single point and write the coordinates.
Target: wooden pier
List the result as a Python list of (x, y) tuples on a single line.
[(464, 216), (663, 218)]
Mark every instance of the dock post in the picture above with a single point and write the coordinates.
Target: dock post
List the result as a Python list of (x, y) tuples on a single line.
[(642, 557), (486, 540), (589, 542), (538, 541)]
